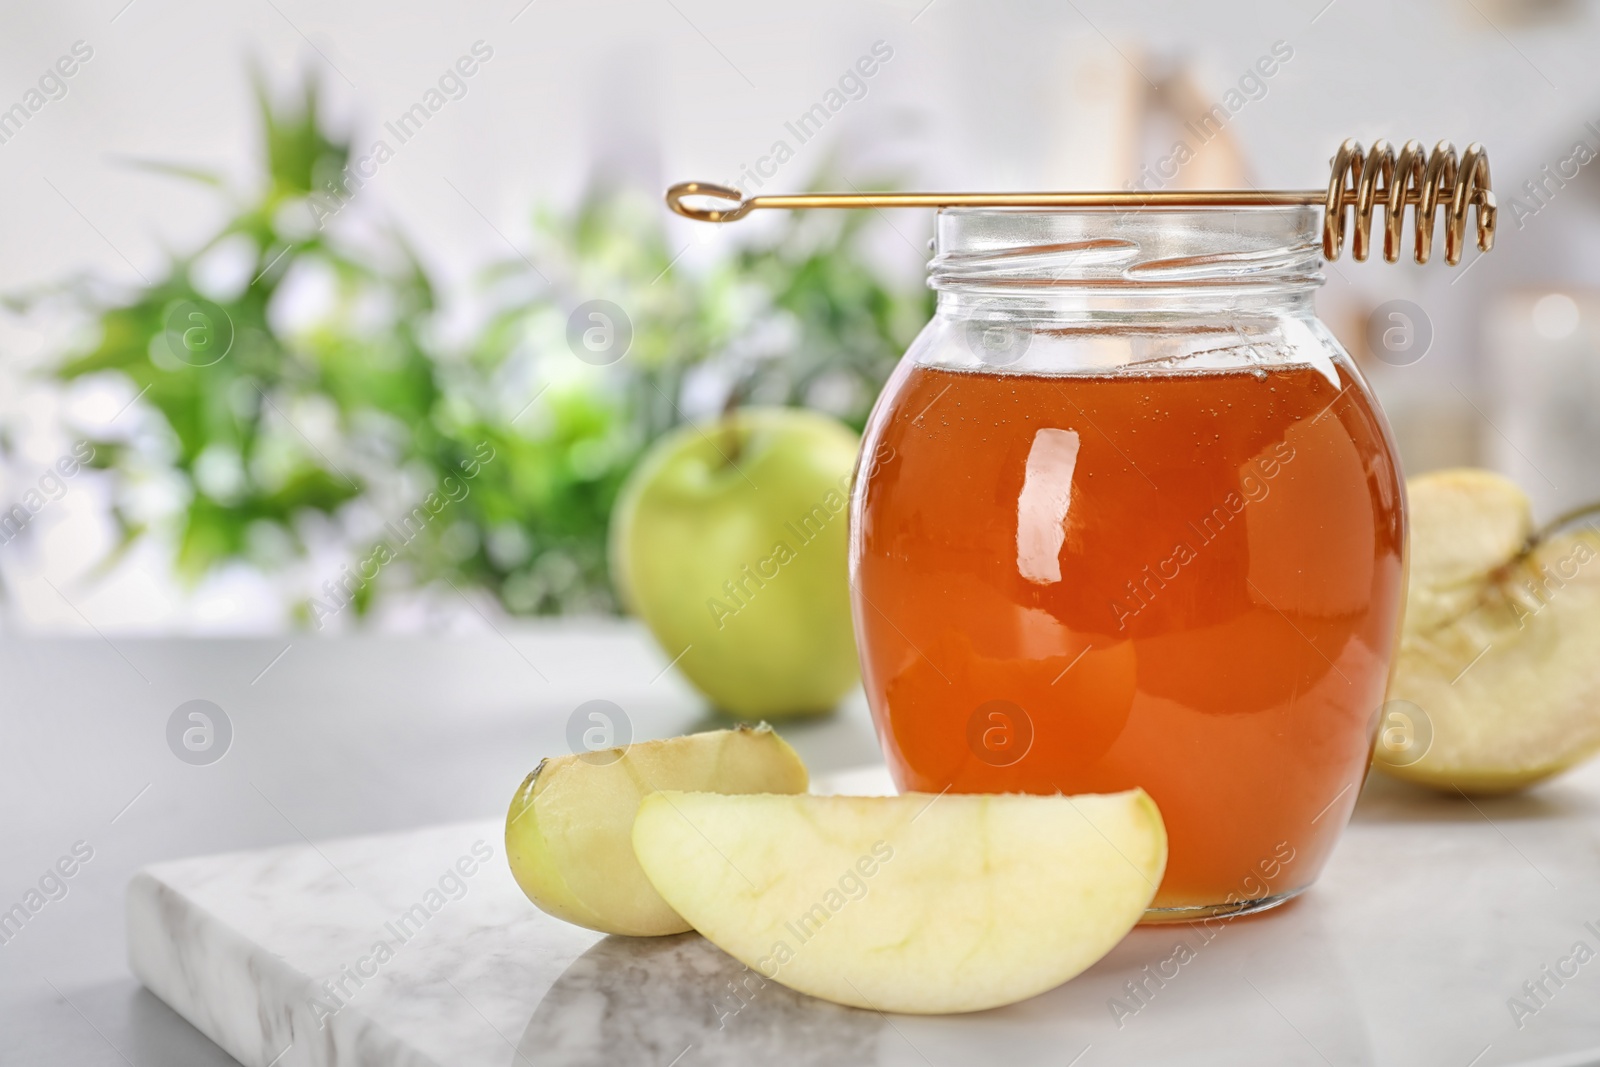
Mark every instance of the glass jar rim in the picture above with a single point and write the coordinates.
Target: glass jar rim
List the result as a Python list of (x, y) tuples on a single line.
[(1161, 246), (1155, 207)]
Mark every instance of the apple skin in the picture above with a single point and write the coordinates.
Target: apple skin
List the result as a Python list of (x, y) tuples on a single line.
[(729, 540), (569, 829)]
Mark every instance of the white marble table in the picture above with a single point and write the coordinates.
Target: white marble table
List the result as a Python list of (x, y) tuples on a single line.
[(1429, 920), (1432, 914), (331, 738)]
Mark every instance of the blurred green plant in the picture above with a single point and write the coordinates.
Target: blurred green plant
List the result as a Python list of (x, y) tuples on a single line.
[(311, 420)]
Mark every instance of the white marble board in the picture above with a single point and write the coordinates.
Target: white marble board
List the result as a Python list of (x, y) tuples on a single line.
[(1414, 948)]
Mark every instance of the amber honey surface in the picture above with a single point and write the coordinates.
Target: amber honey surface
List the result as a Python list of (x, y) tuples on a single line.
[(1188, 582)]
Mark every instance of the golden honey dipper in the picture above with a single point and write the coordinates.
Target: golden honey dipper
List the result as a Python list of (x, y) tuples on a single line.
[(1361, 183)]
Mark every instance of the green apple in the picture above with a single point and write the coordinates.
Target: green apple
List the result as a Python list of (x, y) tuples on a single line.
[(921, 903), (1496, 685), (569, 829), (729, 541)]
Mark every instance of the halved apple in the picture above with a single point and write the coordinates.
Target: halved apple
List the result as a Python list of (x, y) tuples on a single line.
[(920, 903), (1497, 662), (569, 830)]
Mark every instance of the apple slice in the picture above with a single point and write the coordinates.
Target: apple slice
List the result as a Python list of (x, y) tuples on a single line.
[(1496, 685), (568, 833), (920, 903), (1465, 523)]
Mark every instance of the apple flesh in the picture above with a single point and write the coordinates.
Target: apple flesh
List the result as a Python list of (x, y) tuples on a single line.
[(729, 541), (1496, 661), (569, 829), (920, 903)]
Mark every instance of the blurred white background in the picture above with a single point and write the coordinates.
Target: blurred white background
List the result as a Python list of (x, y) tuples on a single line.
[(973, 96)]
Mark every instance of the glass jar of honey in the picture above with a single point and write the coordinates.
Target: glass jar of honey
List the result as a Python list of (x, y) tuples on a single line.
[(1127, 515)]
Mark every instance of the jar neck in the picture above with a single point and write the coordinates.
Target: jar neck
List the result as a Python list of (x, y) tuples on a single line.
[(1159, 262), (1168, 307)]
